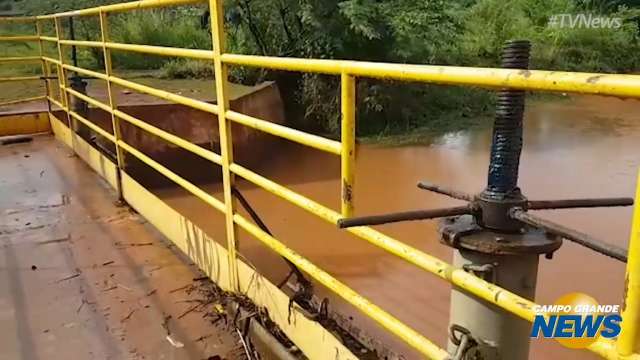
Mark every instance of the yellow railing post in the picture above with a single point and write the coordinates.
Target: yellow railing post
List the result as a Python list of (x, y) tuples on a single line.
[(348, 138), (115, 121), (629, 340), (45, 66), (62, 81), (226, 141)]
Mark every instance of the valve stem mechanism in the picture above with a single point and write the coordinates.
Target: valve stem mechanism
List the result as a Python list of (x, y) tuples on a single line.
[(501, 207)]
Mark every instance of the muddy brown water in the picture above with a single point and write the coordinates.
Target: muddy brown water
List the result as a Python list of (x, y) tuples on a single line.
[(579, 147)]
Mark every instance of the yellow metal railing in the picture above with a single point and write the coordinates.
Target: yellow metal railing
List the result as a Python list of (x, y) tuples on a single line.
[(626, 347)]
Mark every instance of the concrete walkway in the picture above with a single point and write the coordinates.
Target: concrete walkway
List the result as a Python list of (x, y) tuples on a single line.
[(81, 278)]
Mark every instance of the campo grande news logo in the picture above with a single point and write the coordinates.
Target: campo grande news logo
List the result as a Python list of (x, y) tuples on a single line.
[(576, 320)]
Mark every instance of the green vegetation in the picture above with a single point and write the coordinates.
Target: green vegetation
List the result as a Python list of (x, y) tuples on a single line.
[(455, 32)]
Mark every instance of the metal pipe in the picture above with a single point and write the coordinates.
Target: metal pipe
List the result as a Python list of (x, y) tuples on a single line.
[(384, 319), (439, 189), (571, 235), (629, 341), (256, 218), (348, 142), (578, 203), (538, 80), (403, 216)]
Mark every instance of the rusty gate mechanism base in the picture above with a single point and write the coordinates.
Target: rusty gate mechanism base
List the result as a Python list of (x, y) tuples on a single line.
[(496, 238)]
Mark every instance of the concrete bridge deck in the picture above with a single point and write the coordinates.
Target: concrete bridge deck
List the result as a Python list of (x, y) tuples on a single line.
[(81, 278)]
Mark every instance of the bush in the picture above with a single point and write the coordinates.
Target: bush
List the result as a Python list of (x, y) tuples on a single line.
[(188, 69), (157, 27)]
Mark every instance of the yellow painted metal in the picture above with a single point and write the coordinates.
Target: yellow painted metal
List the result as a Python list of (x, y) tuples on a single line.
[(24, 124), (173, 139), (107, 135), (91, 101), (19, 78), (513, 303), (209, 254), (45, 67), (19, 38), (613, 85), (19, 101), (348, 139), (629, 340), (96, 44), (49, 39), (51, 60), (383, 318), (196, 191), (55, 102), (146, 49), (86, 72), (164, 51), (62, 80), (133, 5), (224, 130), (285, 132), (115, 123), (558, 81), (196, 104), (20, 59)]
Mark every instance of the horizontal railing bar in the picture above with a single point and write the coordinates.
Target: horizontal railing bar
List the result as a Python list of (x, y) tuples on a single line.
[(87, 99), (300, 137), (93, 126), (502, 298), (196, 104), (51, 60), (49, 38), (173, 139), (20, 58), (86, 43), (146, 49), (133, 5), (556, 81), (85, 72), (196, 191), (513, 303), (386, 320), (20, 38), (163, 50), (19, 101), (55, 102), (20, 78)]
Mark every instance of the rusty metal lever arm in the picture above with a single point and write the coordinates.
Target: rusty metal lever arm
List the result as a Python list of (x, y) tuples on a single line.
[(439, 189), (571, 235), (403, 216), (578, 203)]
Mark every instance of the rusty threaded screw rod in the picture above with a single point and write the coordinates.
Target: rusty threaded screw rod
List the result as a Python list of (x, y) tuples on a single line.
[(507, 130)]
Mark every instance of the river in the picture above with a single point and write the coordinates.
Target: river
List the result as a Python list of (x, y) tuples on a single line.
[(579, 147)]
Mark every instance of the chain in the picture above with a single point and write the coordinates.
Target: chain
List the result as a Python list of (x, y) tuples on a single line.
[(467, 346)]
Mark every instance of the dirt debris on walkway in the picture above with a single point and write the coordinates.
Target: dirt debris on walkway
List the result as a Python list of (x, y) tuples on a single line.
[(83, 279)]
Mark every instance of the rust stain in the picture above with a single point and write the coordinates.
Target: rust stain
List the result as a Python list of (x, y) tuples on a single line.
[(347, 191), (525, 73), (594, 79)]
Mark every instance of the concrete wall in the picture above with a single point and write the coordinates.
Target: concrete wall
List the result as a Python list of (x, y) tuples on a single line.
[(250, 146)]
